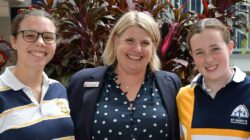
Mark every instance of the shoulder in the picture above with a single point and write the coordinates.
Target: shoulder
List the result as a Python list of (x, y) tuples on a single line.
[(168, 77), (247, 79), (52, 83), (89, 72), (55, 83), (187, 88), (186, 92), (167, 81), (3, 86)]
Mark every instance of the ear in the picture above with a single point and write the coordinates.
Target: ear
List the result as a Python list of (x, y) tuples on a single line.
[(190, 52), (115, 39), (155, 45), (13, 42), (230, 47)]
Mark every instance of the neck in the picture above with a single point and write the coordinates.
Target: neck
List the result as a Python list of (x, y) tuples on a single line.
[(129, 79), (29, 78), (129, 83), (216, 85)]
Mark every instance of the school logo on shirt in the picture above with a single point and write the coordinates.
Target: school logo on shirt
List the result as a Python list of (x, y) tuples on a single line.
[(240, 115), (63, 107)]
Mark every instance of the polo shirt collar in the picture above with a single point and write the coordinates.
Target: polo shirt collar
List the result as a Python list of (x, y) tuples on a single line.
[(239, 76), (11, 81)]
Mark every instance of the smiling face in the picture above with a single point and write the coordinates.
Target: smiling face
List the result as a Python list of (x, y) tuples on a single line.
[(133, 50), (211, 54), (34, 55)]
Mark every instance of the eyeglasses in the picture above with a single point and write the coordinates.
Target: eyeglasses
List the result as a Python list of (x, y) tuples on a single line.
[(32, 36)]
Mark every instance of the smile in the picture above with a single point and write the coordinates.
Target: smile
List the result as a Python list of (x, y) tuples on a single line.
[(212, 68), (134, 57), (38, 53)]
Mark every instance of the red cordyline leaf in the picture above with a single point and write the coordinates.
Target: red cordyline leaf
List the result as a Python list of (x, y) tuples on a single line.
[(168, 38), (205, 4), (200, 16), (49, 2), (20, 11), (3, 58), (166, 43)]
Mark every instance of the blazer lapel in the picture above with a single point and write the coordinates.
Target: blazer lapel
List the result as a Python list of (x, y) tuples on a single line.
[(90, 99), (165, 86), (167, 91)]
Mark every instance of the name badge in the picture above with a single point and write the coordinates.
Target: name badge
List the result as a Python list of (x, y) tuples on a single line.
[(91, 84)]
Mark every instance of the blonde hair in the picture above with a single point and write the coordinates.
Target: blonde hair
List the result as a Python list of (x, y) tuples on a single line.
[(209, 23), (133, 18)]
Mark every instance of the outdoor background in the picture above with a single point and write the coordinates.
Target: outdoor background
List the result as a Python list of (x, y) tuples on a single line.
[(63, 62)]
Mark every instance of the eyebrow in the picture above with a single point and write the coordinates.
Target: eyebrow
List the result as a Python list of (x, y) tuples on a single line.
[(213, 45), (199, 49)]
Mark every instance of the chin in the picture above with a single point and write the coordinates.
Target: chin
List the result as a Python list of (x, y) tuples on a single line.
[(39, 66)]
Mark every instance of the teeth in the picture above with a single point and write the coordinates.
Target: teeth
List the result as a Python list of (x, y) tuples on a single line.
[(210, 68), (38, 54), (134, 57)]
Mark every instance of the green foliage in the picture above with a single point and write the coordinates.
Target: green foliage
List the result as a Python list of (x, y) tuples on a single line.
[(85, 26), (174, 51), (6, 53)]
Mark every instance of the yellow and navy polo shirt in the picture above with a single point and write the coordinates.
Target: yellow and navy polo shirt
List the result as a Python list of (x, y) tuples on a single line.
[(224, 117)]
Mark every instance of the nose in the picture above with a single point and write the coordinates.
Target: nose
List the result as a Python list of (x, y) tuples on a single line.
[(138, 47), (40, 39), (209, 58)]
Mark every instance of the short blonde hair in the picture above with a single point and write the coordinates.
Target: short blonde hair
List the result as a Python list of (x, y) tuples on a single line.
[(133, 18)]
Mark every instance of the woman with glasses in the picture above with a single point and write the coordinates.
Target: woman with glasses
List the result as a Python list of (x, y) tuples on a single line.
[(33, 106)]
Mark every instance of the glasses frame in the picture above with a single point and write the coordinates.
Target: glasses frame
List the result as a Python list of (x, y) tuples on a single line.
[(38, 34)]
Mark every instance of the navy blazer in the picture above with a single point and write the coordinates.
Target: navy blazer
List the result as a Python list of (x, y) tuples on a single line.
[(82, 100)]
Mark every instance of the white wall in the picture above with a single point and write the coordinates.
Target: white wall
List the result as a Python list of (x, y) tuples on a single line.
[(5, 27), (242, 61)]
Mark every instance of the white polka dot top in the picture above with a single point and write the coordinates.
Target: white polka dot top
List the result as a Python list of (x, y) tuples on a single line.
[(116, 118)]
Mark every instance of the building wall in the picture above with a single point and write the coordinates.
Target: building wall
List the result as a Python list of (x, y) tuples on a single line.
[(5, 27)]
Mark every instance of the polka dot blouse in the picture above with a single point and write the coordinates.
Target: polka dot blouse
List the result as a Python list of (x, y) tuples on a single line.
[(116, 118)]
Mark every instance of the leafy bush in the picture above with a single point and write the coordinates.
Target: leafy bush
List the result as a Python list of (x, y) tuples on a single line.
[(174, 51), (85, 25), (6, 53)]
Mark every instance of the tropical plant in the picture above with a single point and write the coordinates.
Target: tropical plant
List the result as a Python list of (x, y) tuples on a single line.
[(6, 53), (85, 25), (174, 51), (151, 6)]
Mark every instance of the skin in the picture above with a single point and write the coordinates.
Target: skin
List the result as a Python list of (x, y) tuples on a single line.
[(133, 51), (211, 56), (33, 56)]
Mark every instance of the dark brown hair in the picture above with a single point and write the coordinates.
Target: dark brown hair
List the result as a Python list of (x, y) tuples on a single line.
[(208, 23), (26, 13)]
